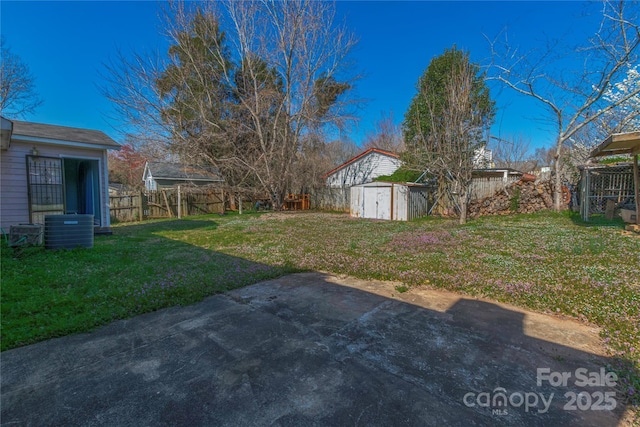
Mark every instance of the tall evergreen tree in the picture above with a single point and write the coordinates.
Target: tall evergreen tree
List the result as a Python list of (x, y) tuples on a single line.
[(446, 125), (429, 103), (250, 105), (194, 87)]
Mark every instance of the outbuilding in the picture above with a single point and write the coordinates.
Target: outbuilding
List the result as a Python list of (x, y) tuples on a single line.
[(50, 170), (616, 144), (390, 201)]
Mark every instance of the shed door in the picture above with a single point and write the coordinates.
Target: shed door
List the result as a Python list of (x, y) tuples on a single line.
[(377, 202)]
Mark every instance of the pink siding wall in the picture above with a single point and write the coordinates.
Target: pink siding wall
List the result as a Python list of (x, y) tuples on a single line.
[(14, 207)]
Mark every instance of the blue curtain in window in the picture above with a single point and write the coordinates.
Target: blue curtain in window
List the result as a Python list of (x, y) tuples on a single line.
[(85, 175)]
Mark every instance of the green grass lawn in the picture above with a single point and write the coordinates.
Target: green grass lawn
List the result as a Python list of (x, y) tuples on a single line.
[(547, 262)]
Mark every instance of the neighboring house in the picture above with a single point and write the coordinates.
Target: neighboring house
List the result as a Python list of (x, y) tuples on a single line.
[(363, 168), (47, 169), (372, 163), (159, 175), (483, 158), (116, 189)]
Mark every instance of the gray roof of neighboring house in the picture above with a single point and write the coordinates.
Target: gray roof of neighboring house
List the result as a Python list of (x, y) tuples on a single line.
[(44, 132), (180, 172)]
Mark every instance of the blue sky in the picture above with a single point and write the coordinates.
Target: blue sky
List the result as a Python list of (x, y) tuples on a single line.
[(66, 44)]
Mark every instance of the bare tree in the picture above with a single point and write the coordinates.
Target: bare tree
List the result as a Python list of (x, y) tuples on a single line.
[(624, 118), (316, 159), (544, 156), (129, 82), (513, 152), (386, 135), (306, 48), (246, 96), (18, 96), (575, 98), (126, 167)]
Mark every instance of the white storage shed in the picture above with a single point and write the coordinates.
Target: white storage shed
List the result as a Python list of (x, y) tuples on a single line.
[(389, 200)]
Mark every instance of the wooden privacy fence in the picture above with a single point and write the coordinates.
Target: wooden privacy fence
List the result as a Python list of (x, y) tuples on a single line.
[(486, 186), (165, 203), (126, 207), (331, 198)]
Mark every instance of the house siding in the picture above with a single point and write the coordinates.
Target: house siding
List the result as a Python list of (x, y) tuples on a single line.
[(364, 170), (14, 202), (13, 185), (150, 184)]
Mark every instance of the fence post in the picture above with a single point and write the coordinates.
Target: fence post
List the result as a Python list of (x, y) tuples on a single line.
[(166, 202), (140, 206), (636, 186), (179, 204), (240, 203)]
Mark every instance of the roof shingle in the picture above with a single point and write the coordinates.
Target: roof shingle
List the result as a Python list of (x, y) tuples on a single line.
[(63, 133), (176, 171)]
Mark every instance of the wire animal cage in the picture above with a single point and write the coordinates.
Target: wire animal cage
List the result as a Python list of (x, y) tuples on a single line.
[(600, 184)]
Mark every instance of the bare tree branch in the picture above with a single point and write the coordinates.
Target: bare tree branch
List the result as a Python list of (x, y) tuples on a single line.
[(577, 101), (18, 96), (247, 98)]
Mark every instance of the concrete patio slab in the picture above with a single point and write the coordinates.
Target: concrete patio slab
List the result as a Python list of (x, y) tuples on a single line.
[(315, 349)]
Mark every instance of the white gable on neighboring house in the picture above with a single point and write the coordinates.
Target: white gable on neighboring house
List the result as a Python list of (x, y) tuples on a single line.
[(374, 162), (363, 168), (483, 158)]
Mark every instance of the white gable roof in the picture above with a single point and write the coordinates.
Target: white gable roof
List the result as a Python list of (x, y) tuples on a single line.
[(363, 168)]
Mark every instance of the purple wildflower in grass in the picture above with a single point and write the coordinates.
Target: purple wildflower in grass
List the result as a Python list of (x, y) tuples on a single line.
[(412, 240)]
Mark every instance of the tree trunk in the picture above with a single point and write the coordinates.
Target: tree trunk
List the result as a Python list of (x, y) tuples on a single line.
[(557, 191), (277, 200), (462, 200)]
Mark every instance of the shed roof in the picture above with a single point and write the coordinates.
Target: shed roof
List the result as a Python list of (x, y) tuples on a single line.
[(358, 157), (44, 133), (182, 172), (618, 143)]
